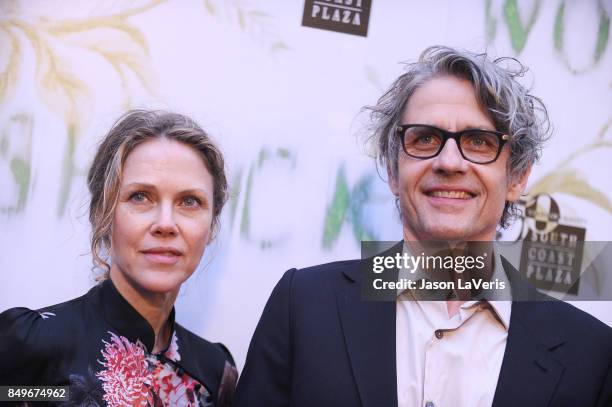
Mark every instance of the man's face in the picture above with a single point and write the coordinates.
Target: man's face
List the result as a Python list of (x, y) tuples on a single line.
[(447, 197)]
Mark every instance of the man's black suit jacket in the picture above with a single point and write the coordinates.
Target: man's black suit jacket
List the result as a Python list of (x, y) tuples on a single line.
[(319, 344)]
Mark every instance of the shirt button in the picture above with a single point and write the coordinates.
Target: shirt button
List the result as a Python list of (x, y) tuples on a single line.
[(430, 404), (439, 334)]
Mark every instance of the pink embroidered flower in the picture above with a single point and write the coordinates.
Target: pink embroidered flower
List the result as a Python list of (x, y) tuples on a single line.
[(126, 379), (174, 390), (172, 353)]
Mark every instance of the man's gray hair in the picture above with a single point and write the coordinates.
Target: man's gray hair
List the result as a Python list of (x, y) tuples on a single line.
[(513, 110)]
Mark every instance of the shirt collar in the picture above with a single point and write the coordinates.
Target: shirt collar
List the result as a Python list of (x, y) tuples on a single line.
[(124, 319), (502, 310), (500, 303)]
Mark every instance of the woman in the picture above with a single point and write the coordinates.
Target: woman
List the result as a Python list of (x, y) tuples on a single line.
[(157, 188)]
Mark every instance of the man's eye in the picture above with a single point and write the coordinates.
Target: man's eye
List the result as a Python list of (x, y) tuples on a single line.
[(191, 201), (425, 140), (138, 197), (478, 141)]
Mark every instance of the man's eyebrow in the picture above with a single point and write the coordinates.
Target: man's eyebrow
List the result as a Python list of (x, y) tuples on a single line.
[(476, 126), (469, 126)]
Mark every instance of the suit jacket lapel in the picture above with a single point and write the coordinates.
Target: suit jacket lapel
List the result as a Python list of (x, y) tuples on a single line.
[(369, 334), (530, 372)]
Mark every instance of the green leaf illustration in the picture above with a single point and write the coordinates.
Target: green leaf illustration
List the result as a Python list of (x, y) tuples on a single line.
[(279, 46), (490, 22), (283, 153), (570, 182), (68, 171), (360, 195), (21, 172), (258, 24), (602, 33), (234, 195), (210, 7), (348, 206), (4, 144), (245, 222), (558, 30), (241, 20), (337, 210), (259, 14), (373, 77), (263, 156), (518, 31)]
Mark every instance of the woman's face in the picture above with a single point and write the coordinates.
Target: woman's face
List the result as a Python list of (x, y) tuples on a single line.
[(163, 217)]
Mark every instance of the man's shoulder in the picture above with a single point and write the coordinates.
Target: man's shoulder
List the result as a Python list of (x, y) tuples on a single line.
[(320, 270), (327, 272), (564, 320), (315, 280)]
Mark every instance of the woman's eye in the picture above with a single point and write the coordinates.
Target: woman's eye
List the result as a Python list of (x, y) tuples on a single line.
[(138, 197), (191, 201)]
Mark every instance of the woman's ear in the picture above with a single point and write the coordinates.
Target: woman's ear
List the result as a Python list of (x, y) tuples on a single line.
[(214, 229)]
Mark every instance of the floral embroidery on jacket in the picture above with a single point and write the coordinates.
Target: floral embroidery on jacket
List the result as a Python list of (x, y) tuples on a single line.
[(126, 379), (134, 377)]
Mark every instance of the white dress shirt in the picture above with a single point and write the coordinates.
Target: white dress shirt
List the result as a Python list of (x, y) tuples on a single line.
[(445, 361)]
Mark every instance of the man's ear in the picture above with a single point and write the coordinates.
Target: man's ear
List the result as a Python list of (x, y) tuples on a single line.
[(393, 183), (517, 186)]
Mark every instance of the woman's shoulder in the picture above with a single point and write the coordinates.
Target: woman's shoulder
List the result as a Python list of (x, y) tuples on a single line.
[(212, 362), (26, 325), (31, 339), (197, 345)]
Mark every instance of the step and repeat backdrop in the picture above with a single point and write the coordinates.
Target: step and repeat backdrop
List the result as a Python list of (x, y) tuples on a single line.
[(279, 86)]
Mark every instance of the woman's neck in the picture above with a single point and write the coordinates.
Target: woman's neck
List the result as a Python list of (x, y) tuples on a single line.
[(155, 308)]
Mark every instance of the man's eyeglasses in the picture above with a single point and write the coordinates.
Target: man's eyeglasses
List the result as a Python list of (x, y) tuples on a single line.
[(475, 145)]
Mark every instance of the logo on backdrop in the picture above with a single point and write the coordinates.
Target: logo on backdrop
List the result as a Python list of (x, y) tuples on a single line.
[(346, 16), (552, 252)]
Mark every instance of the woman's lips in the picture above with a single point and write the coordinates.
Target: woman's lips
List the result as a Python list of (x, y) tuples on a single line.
[(162, 257)]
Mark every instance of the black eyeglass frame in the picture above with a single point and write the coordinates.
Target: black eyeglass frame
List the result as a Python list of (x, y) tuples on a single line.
[(401, 132)]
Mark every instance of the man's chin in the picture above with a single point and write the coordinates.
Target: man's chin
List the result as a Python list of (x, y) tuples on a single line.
[(448, 231)]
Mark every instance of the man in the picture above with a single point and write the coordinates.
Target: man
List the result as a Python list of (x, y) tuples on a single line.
[(458, 136)]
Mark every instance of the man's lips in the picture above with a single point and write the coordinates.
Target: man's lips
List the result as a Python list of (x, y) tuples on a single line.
[(450, 194)]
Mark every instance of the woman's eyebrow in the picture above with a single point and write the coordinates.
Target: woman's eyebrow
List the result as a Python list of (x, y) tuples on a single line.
[(193, 191), (141, 185), (151, 187)]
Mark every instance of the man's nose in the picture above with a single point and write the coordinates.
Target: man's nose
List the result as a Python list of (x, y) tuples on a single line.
[(450, 159), (164, 223)]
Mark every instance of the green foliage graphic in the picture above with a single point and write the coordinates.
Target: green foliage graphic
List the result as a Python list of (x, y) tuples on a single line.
[(347, 206), (336, 211), (601, 43), (519, 32), (21, 171)]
